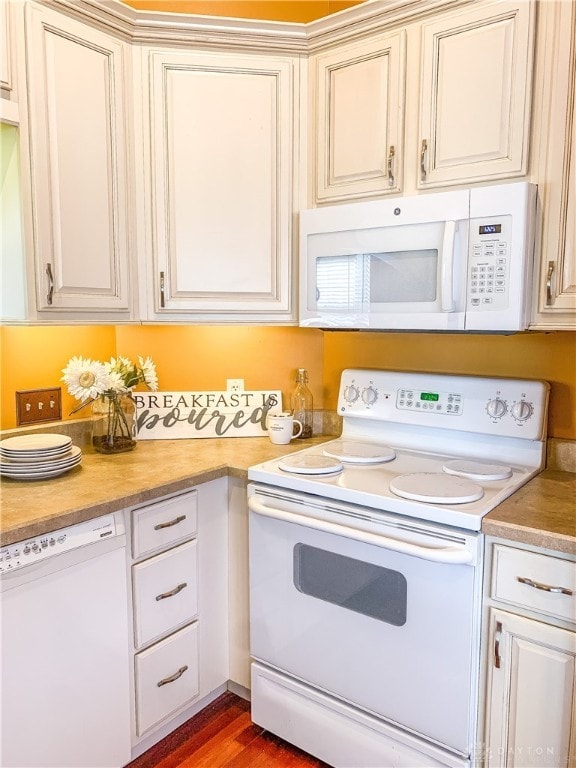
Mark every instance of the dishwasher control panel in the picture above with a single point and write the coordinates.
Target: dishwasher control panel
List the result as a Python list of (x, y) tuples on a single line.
[(30, 551)]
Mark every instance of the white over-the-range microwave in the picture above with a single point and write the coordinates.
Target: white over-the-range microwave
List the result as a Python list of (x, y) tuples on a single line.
[(453, 261)]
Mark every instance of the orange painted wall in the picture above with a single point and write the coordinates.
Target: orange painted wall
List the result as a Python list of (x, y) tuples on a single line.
[(187, 358), (203, 357), (32, 358), (271, 10), (547, 356)]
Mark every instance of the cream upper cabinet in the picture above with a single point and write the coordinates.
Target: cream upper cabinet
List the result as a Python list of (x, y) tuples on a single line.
[(78, 167), (359, 119), (5, 64), (431, 102), (555, 279), (11, 37), (220, 144), (476, 93)]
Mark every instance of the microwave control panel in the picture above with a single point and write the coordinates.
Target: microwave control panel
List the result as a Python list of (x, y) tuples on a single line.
[(489, 263)]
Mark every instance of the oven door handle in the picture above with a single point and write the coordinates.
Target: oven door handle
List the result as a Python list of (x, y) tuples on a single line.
[(451, 554)]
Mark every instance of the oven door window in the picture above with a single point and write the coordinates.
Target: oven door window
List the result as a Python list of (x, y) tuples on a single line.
[(372, 590)]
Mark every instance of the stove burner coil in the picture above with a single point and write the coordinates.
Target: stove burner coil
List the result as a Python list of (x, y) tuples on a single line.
[(357, 452), (310, 464), (477, 470), (435, 488)]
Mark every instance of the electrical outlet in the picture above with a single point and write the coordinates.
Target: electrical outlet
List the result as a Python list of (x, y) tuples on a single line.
[(235, 385), (36, 405)]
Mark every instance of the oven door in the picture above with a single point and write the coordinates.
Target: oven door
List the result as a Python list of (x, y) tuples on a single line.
[(381, 614)]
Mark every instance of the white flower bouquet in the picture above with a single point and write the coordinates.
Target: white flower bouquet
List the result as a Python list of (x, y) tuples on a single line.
[(108, 386)]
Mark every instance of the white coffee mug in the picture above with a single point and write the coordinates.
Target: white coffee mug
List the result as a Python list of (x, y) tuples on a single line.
[(281, 427)]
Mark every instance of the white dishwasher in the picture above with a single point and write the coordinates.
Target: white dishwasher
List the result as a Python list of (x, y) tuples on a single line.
[(65, 695)]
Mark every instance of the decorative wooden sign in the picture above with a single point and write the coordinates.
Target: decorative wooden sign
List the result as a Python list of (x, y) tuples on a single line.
[(233, 413)]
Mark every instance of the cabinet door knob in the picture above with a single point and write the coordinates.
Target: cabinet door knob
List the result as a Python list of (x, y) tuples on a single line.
[(544, 587), (162, 295), (391, 155), (50, 276), (551, 265), (423, 151)]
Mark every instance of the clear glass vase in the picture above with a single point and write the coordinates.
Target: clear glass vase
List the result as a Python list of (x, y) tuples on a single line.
[(114, 423)]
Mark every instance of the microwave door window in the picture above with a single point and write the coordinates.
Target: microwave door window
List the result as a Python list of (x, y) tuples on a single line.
[(342, 283), (403, 277)]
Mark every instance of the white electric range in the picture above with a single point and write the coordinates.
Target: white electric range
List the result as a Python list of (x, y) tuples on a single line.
[(366, 566), (446, 449)]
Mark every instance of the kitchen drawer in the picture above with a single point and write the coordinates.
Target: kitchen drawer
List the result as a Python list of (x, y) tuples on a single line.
[(166, 677), (164, 524), (165, 591), (543, 574)]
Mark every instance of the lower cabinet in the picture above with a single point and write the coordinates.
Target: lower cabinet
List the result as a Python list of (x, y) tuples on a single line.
[(160, 691), (238, 585), (530, 659), (179, 579)]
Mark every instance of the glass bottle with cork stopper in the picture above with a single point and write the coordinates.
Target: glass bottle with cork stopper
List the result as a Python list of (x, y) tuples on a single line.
[(302, 403)]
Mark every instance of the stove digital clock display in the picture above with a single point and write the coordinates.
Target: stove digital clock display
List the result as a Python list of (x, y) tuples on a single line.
[(432, 396)]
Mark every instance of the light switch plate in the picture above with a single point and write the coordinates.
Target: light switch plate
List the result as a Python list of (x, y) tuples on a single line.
[(37, 405)]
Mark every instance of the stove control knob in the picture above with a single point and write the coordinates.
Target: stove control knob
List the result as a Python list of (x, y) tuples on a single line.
[(522, 410), (496, 408), (351, 393), (370, 395)]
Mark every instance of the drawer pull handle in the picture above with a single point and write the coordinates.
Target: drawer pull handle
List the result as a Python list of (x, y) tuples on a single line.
[(170, 523), (172, 592), (497, 636), (173, 677), (544, 587)]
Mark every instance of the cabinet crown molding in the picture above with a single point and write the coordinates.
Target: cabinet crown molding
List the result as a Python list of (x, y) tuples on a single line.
[(180, 28)]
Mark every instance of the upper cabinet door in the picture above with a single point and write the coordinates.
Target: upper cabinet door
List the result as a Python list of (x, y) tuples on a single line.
[(78, 165), (359, 120), (11, 37), (5, 48), (475, 94), (555, 305), (221, 197)]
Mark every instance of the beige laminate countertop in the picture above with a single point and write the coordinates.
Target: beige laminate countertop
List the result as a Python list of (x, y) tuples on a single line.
[(542, 513), (105, 483)]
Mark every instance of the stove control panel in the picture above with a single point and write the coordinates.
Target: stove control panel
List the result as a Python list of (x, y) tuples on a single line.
[(450, 403), (503, 407)]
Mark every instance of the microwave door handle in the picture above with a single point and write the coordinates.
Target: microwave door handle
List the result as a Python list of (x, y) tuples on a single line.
[(447, 268), (449, 555)]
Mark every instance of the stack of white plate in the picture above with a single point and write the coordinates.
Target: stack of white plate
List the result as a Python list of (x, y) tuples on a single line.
[(35, 457)]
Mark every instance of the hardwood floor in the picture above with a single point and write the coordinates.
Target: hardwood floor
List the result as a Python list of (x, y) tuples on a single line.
[(223, 735)]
